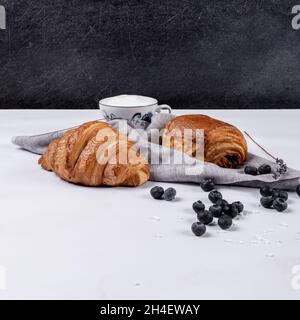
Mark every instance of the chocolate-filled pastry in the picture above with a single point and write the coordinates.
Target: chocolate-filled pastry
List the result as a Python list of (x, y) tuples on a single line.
[(224, 144), (96, 154)]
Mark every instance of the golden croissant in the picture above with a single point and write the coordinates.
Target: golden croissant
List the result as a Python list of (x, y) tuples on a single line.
[(224, 144), (96, 154)]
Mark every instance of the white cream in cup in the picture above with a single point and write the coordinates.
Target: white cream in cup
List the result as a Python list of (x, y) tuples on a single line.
[(137, 110)]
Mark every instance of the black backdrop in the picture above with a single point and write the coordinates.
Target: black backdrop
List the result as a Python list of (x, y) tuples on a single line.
[(188, 53)]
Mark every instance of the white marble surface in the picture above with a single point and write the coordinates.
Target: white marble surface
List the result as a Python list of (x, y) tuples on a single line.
[(58, 240)]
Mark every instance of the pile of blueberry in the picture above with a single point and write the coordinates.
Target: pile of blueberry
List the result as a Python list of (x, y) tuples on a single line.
[(220, 209), (274, 198), (263, 169), (159, 193)]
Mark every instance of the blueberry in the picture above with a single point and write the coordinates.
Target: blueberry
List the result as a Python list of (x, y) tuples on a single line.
[(207, 185), (239, 206), (281, 194), (250, 170), (198, 229), (216, 210), (225, 222), (157, 192), (170, 194), (277, 193), (279, 204), (227, 209), (222, 203), (214, 196), (234, 210), (231, 210), (267, 202), (198, 206), (205, 217), (298, 190), (264, 169), (266, 191)]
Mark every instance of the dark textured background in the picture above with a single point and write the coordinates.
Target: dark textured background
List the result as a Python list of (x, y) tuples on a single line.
[(190, 54)]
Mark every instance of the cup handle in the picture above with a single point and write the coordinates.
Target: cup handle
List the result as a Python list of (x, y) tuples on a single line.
[(163, 107)]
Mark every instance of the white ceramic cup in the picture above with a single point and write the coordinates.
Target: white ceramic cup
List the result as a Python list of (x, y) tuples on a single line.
[(137, 110)]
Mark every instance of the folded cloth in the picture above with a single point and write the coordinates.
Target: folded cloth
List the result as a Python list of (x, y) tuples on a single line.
[(38, 143), (190, 169)]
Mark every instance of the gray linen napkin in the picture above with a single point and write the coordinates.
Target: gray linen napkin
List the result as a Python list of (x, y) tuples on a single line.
[(191, 170)]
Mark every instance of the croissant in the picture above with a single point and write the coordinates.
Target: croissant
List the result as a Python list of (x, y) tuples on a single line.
[(96, 154), (224, 144)]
